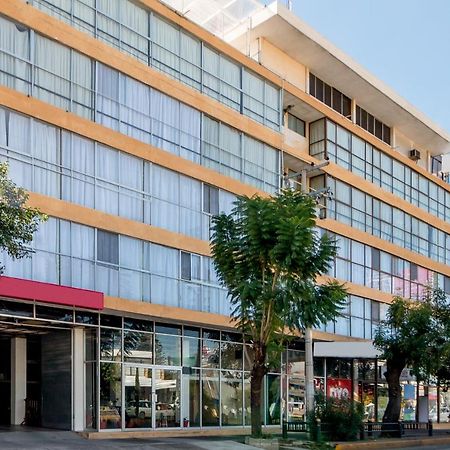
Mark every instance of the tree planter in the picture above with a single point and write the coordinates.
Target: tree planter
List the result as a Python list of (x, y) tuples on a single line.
[(269, 444)]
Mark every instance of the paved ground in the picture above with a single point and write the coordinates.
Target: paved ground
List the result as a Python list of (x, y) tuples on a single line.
[(62, 440)]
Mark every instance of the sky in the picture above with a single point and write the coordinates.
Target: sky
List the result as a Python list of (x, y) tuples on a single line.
[(405, 43)]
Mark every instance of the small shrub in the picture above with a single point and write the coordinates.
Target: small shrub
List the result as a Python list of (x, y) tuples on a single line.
[(341, 419)]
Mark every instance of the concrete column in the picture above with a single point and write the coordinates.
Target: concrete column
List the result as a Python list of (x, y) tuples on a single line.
[(78, 381), (309, 371), (18, 379)]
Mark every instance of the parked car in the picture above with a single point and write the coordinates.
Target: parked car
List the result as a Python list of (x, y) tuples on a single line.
[(143, 411)]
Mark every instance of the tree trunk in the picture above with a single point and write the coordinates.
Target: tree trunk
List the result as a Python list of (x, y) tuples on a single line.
[(392, 374), (257, 377)]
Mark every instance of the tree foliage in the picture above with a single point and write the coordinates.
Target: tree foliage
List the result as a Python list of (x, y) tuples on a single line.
[(18, 222), (268, 255), (414, 334)]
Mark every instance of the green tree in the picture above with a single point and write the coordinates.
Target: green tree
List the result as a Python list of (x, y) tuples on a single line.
[(414, 334), (18, 222), (268, 254)]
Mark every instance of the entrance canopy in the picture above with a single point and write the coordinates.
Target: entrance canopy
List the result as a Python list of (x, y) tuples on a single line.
[(20, 289), (346, 350)]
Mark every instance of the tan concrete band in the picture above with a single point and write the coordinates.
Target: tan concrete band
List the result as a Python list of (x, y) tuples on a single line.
[(71, 122), (360, 132), (387, 197), (97, 219), (99, 51), (365, 238), (99, 133), (64, 33), (199, 318), (165, 312)]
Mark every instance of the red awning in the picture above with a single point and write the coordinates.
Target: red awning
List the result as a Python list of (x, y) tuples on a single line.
[(50, 293)]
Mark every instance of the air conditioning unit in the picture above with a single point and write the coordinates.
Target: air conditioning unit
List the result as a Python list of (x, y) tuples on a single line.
[(414, 155)]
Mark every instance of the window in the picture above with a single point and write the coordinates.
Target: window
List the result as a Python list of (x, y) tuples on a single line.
[(210, 199), (373, 125), (375, 259), (330, 96), (295, 124), (190, 266), (107, 247)]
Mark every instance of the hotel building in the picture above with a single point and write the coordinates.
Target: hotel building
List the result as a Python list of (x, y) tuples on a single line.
[(131, 123)]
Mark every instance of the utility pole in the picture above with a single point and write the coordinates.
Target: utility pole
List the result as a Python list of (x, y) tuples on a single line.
[(309, 360)]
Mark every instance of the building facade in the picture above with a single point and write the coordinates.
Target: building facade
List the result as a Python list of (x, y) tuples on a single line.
[(131, 125)]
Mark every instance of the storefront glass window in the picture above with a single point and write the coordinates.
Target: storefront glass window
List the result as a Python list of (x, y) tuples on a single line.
[(273, 395), (231, 393), (167, 350), (138, 397), (211, 398), (110, 396)]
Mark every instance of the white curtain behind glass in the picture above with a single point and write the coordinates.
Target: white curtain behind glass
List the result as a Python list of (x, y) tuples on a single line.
[(107, 169), (107, 96), (52, 72), (78, 164), (166, 46), (14, 51), (135, 109), (108, 17), (46, 153), (164, 279), (190, 124), (165, 112), (230, 151), (165, 202), (131, 181), (190, 207), (19, 140), (135, 30), (211, 67), (253, 88), (230, 74), (190, 60), (82, 85)]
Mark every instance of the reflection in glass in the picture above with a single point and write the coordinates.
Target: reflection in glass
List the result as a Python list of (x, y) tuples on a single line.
[(231, 355), (191, 352), (231, 392), (91, 395), (210, 354), (167, 389), (273, 393), (167, 350), (138, 397), (110, 344), (110, 395), (211, 400), (137, 347), (191, 398), (90, 344), (247, 399)]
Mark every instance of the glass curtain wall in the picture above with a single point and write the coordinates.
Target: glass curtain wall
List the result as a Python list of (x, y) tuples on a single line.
[(133, 108), (366, 161), (80, 256), (164, 46), (155, 375), (57, 163)]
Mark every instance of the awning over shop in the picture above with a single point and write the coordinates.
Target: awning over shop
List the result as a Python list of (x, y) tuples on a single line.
[(17, 288)]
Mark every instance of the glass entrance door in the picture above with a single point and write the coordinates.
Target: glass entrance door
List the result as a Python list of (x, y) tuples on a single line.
[(138, 396), (167, 397)]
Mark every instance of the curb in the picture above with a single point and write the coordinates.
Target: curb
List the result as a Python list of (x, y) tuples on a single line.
[(382, 444)]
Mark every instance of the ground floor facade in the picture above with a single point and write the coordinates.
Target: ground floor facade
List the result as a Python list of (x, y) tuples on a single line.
[(87, 369)]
